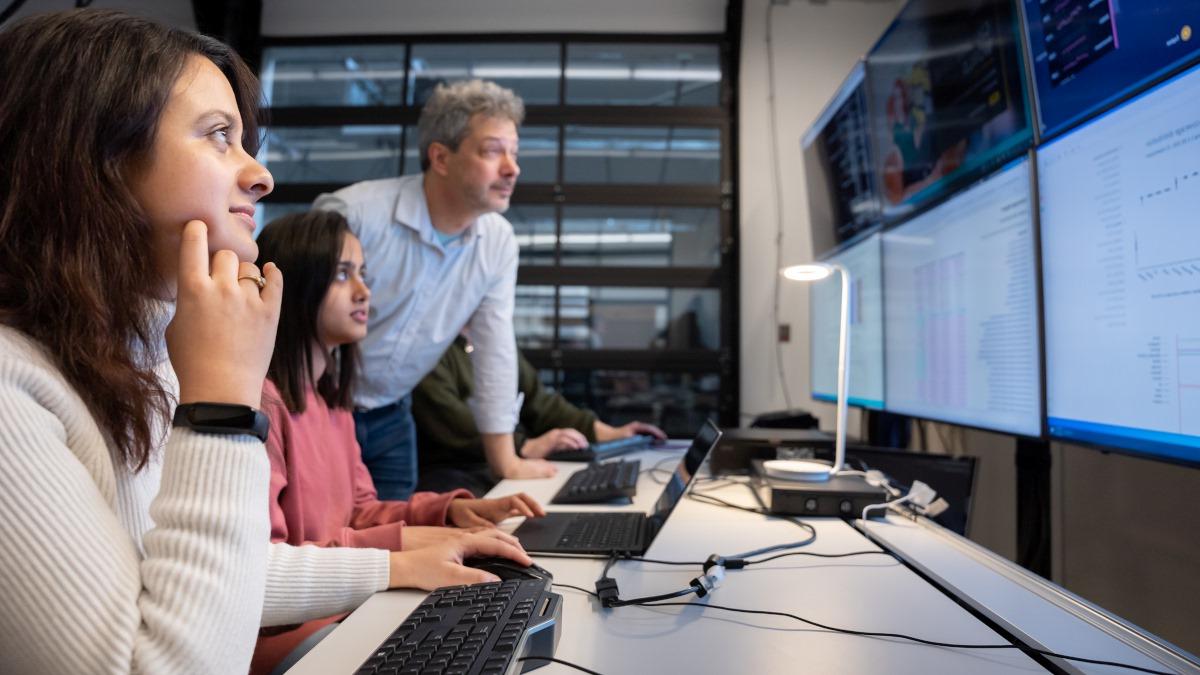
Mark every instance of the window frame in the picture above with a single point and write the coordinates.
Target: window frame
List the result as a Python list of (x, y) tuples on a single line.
[(723, 117)]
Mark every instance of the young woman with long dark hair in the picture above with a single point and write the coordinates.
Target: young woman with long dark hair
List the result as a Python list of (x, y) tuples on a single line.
[(321, 492), (134, 540)]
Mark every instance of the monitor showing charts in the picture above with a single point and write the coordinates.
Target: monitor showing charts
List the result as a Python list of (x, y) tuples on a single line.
[(1120, 202), (961, 309), (862, 260), (1088, 54), (947, 98), (838, 170)]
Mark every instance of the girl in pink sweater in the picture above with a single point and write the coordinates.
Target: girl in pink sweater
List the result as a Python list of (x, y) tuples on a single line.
[(321, 492)]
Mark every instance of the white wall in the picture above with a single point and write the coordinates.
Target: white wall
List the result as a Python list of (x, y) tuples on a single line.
[(367, 17), (814, 47)]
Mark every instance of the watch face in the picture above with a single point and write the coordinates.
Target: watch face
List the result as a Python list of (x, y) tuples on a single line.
[(210, 414), (222, 418)]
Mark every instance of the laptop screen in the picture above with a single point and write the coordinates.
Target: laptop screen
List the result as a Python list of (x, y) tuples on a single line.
[(704, 442)]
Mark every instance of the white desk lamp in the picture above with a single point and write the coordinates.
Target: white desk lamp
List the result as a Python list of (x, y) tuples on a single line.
[(812, 470)]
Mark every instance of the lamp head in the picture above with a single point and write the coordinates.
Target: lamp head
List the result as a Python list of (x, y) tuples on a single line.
[(807, 272)]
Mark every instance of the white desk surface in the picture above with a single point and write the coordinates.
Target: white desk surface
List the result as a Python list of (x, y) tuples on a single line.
[(872, 593)]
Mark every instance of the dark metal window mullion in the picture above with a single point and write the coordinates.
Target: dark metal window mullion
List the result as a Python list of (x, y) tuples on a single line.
[(404, 140), (559, 173)]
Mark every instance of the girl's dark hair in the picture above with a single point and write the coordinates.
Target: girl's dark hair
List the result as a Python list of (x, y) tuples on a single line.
[(307, 247), (83, 92)]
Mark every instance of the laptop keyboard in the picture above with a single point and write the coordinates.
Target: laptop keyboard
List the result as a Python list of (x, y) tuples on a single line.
[(478, 629), (602, 531), (600, 483)]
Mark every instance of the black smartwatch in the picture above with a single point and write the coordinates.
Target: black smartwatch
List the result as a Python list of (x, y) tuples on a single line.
[(222, 418)]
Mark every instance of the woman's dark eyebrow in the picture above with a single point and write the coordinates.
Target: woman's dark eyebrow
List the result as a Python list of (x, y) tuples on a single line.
[(220, 115)]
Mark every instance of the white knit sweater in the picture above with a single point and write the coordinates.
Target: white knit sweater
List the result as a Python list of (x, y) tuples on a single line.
[(164, 571)]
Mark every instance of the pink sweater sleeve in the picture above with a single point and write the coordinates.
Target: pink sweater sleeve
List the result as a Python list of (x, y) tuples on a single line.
[(422, 508), (385, 535)]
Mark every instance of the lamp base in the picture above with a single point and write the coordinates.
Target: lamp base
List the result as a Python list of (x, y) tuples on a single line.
[(807, 470), (843, 495)]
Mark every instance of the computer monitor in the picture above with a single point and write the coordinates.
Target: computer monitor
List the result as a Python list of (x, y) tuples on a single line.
[(947, 99), (838, 171), (961, 309), (1089, 54), (863, 259), (1121, 268)]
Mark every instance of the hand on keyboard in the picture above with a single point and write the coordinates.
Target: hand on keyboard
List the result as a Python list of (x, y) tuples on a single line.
[(442, 564), (413, 537), (488, 512), (605, 432), (555, 439)]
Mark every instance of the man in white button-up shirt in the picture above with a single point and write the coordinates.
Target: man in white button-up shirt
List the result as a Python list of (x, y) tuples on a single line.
[(440, 256)]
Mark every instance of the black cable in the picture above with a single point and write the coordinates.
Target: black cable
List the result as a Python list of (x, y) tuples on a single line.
[(717, 501), (692, 563), (651, 598), (576, 588), (551, 659), (901, 636), (819, 555)]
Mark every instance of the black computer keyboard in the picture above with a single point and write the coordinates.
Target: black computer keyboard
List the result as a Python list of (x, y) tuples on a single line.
[(481, 629), (603, 531), (600, 483), (600, 451)]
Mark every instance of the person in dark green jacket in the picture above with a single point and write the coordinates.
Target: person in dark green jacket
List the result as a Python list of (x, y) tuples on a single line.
[(451, 450)]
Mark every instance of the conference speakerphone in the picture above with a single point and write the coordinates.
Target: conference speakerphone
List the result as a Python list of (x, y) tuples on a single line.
[(840, 496)]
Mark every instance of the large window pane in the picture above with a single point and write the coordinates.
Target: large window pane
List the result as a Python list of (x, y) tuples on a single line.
[(633, 74), (677, 402), (676, 155), (531, 70), (533, 317), (538, 156), (639, 318), (343, 154), (412, 153), (637, 235), (534, 230), (338, 75)]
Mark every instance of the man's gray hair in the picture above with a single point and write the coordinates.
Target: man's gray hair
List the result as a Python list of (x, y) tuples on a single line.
[(447, 114)]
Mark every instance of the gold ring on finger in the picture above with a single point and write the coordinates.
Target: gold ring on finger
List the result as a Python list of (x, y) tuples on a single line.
[(256, 278)]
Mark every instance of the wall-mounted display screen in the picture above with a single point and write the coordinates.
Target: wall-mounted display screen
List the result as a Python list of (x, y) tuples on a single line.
[(947, 98), (961, 309), (1119, 199), (1089, 54), (838, 171), (862, 259)]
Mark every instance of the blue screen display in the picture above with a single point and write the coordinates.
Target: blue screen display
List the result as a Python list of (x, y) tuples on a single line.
[(1089, 54)]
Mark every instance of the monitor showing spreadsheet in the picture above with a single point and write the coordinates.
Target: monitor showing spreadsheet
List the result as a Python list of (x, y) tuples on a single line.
[(961, 309), (863, 261)]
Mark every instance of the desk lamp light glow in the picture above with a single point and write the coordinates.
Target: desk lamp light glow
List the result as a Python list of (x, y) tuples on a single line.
[(812, 470)]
